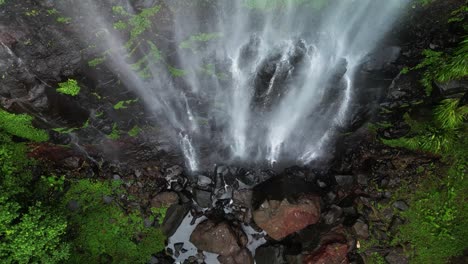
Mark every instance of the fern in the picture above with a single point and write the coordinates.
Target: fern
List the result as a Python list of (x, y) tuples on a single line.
[(449, 115)]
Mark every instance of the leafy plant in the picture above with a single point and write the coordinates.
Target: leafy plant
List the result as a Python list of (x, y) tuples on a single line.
[(36, 238), (115, 134), (124, 104), (176, 72), (199, 38), (134, 131), (69, 87), (96, 61)]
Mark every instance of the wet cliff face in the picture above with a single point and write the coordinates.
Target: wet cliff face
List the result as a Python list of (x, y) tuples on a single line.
[(346, 196)]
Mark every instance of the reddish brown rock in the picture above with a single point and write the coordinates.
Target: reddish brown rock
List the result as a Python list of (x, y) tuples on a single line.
[(242, 257), (219, 238), (281, 218), (330, 254)]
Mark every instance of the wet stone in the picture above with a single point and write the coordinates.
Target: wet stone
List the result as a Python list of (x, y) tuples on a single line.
[(400, 205), (344, 180), (203, 181), (361, 230), (202, 198)]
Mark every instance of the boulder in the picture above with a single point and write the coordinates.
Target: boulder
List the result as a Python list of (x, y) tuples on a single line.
[(164, 199), (202, 198), (218, 237), (282, 218), (241, 257), (174, 217), (361, 229), (452, 88), (330, 254)]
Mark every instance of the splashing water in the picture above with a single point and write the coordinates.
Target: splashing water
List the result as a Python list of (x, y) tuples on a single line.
[(259, 80)]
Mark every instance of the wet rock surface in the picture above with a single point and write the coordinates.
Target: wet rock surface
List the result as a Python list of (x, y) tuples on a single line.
[(282, 218), (219, 238)]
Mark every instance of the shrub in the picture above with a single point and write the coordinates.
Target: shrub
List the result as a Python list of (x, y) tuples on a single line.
[(104, 230)]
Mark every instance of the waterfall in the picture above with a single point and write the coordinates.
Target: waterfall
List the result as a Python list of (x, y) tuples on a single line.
[(263, 81)]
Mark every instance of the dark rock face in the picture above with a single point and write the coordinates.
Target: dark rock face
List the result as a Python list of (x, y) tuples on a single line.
[(270, 255), (282, 218), (219, 238), (275, 72), (36, 53), (455, 88)]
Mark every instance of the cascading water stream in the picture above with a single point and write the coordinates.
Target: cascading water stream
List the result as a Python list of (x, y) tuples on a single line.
[(274, 80)]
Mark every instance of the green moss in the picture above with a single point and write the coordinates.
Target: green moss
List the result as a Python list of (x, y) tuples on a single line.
[(69, 87), (104, 229), (437, 220)]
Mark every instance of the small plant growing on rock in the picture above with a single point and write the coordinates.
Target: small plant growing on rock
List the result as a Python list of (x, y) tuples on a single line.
[(69, 87)]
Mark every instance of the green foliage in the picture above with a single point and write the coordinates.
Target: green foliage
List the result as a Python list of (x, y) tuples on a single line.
[(124, 104), (442, 67), (20, 126), (2, 2), (192, 41), (176, 72), (69, 87), (66, 130), (440, 135), (52, 11), (32, 12), (140, 23), (120, 25), (120, 10), (272, 4), (96, 61), (437, 226), (105, 230), (160, 213), (64, 20), (28, 234), (134, 131), (459, 14), (34, 237), (115, 134)]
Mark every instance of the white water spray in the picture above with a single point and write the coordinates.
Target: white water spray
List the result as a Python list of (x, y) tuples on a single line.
[(274, 79)]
